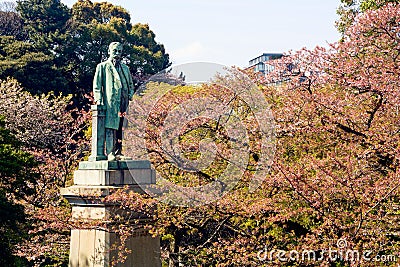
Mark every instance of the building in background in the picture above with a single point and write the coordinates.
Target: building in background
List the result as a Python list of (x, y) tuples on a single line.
[(264, 64), (261, 63)]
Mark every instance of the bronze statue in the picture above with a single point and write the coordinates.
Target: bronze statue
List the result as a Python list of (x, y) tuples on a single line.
[(113, 88)]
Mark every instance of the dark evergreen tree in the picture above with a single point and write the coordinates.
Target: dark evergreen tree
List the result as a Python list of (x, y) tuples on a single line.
[(93, 27), (61, 46), (17, 180), (43, 16)]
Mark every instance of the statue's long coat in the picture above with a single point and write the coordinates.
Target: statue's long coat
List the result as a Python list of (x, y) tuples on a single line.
[(107, 86)]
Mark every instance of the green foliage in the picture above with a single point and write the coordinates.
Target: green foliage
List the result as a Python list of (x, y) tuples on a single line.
[(93, 27), (12, 229), (27, 63), (17, 179), (67, 44), (375, 4), (16, 174), (86, 12), (43, 17)]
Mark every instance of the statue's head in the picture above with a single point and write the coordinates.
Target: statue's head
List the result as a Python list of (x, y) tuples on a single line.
[(115, 50)]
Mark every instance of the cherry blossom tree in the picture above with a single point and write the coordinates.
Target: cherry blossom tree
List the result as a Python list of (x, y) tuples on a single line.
[(54, 134), (338, 128), (335, 179)]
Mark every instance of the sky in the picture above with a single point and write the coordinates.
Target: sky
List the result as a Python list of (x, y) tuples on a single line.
[(232, 32)]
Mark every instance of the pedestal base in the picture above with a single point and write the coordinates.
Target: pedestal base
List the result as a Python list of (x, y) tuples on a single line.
[(93, 181), (93, 248)]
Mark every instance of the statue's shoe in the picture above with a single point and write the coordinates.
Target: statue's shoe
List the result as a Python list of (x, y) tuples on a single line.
[(111, 157)]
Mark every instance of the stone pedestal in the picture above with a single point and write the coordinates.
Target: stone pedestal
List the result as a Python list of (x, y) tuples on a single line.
[(93, 181), (98, 133)]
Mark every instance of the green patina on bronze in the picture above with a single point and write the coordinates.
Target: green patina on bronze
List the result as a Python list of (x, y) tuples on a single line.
[(112, 89), (108, 84)]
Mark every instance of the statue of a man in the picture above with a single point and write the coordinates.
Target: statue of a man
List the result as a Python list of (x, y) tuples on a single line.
[(113, 87)]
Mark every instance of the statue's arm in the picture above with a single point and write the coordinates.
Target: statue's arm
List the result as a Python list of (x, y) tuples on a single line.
[(98, 85)]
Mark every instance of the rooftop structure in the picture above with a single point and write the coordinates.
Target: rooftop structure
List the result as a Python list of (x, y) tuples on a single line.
[(260, 63)]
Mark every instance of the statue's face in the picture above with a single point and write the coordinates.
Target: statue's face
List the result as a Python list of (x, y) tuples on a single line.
[(115, 51)]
